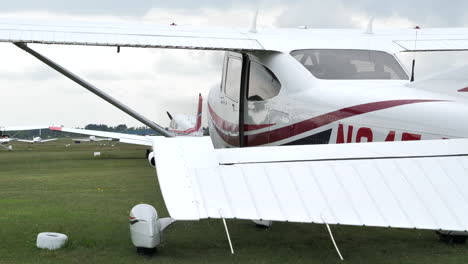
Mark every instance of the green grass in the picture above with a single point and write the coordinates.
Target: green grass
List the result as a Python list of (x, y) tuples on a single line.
[(53, 188)]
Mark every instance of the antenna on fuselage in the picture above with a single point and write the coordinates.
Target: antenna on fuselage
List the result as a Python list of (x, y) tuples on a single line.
[(169, 115), (370, 26), (253, 26), (414, 54)]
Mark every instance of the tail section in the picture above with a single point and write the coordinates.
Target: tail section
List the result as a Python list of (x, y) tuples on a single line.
[(183, 124)]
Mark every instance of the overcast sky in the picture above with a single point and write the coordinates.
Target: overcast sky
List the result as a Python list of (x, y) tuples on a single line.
[(152, 81)]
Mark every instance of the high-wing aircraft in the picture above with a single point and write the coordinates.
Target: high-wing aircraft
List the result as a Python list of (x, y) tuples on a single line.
[(304, 88)]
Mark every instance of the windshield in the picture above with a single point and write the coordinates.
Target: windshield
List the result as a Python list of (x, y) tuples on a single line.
[(332, 64)]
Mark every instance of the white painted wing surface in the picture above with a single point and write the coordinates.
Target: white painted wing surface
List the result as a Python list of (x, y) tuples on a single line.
[(25, 140), (435, 39), (48, 140), (399, 184), (121, 137), (124, 35), (211, 38)]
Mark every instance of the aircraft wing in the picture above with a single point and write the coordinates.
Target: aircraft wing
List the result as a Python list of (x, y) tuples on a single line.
[(121, 137), (81, 140), (418, 184), (48, 140), (211, 38), (22, 128), (25, 140), (125, 35), (443, 39)]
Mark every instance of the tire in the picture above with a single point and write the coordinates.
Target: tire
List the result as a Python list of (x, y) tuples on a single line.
[(459, 239), (51, 241)]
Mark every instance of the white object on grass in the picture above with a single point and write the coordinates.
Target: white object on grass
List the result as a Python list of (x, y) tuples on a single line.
[(51, 241)]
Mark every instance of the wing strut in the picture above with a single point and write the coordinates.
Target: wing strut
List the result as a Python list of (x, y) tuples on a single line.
[(95, 90)]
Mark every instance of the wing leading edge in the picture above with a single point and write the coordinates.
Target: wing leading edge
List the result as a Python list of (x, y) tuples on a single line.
[(210, 38), (124, 35), (401, 185)]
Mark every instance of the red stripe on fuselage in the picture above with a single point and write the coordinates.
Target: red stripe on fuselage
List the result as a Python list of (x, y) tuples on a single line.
[(315, 122), (322, 120), (463, 90)]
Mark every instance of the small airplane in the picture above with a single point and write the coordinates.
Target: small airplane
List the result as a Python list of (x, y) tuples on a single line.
[(180, 125), (288, 100), (91, 139), (186, 124), (5, 139), (37, 140)]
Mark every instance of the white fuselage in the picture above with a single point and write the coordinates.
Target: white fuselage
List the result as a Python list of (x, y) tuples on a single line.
[(309, 110)]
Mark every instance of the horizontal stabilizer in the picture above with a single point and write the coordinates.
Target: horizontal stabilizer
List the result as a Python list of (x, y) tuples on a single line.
[(390, 184)]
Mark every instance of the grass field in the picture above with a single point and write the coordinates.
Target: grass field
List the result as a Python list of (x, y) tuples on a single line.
[(52, 188)]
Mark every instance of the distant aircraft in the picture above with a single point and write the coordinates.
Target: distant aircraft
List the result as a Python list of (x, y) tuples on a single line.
[(91, 139), (304, 87), (5, 139), (181, 125), (186, 124), (36, 140)]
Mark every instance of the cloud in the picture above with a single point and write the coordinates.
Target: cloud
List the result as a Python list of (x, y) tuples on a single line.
[(343, 14), (133, 8), (317, 14)]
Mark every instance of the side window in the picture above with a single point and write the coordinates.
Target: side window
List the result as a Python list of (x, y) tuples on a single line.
[(263, 84), (233, 78)]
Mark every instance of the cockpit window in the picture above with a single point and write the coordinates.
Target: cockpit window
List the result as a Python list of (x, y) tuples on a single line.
[(263, 84), (332, 64)]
